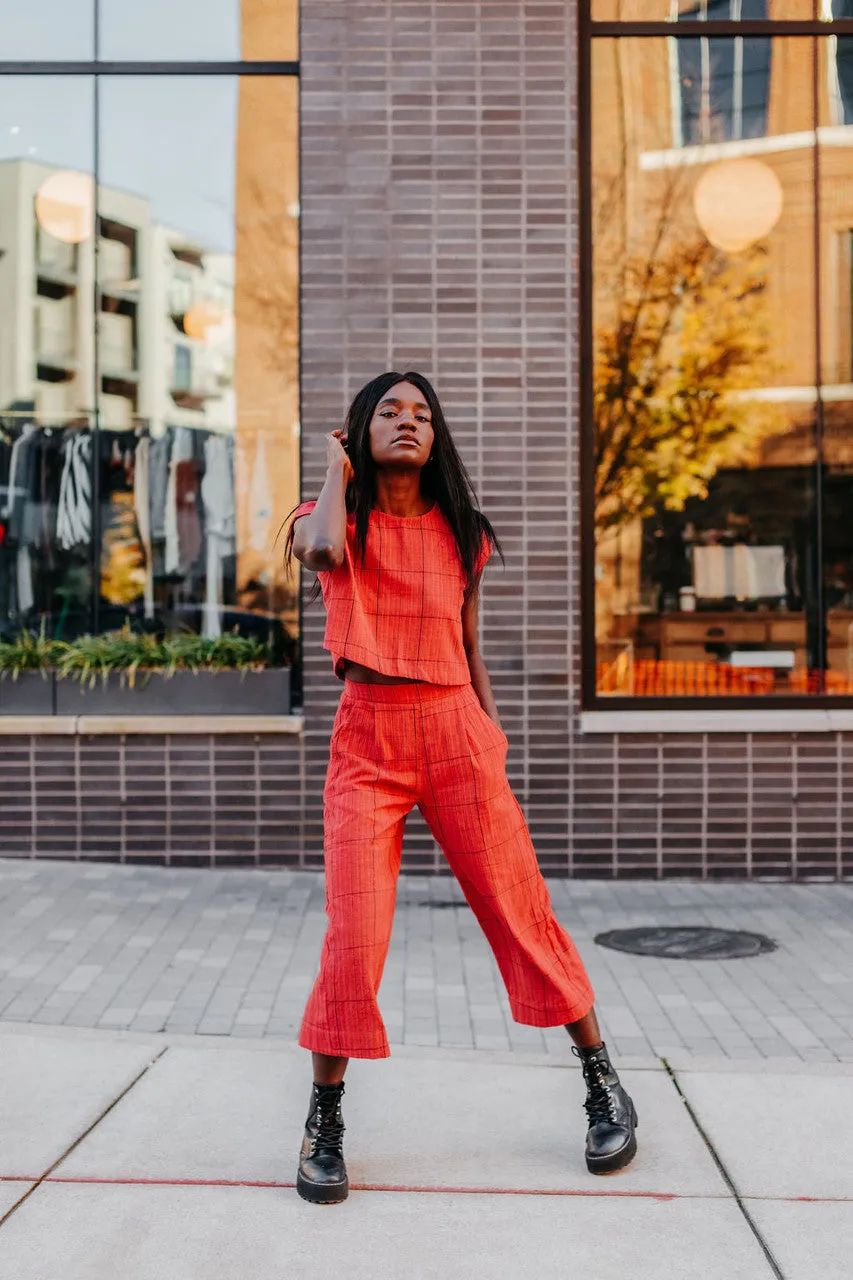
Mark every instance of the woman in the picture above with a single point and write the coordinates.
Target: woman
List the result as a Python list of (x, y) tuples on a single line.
[(398, 546)]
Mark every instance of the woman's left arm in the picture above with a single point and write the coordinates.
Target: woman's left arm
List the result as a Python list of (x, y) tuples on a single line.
[(476, 665)]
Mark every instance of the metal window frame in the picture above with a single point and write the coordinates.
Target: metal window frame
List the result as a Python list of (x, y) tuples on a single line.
[(587, 32), (96, 67)]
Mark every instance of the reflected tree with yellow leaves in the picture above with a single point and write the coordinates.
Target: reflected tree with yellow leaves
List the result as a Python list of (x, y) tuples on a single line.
[(682, 335)]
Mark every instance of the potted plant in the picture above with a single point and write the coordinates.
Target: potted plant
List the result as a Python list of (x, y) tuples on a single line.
[(125, 673), (26, 681)]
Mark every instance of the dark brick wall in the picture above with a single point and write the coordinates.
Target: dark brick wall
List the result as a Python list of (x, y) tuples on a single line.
[(440, 231), (439, 222)]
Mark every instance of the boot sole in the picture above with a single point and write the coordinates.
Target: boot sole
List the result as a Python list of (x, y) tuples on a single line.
[(322, 1193), (617, 1159)]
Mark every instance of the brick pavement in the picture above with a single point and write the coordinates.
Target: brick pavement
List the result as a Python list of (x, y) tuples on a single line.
[(234, 953)]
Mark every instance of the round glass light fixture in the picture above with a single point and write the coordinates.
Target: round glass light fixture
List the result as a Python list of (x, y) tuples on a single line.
[(65, 206), (202, 317), (738, 202)]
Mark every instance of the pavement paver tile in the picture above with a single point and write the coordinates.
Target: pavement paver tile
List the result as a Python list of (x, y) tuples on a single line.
[(778, 1135), (808, 1241), (49, 1097), (213, 944), (10, 1193)]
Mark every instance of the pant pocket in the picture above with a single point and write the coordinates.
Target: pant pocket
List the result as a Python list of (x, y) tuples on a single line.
[(495, 729)]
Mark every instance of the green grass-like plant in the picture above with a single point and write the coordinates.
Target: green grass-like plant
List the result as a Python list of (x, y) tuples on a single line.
[(27, 652), (90, 658)]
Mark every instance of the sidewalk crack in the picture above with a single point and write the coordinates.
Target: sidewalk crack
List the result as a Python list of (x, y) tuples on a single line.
[(739, 1199), (82, 1137)]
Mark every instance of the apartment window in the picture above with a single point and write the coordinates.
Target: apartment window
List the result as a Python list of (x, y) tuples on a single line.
[(723, 83), (183, 368), (717, 474)]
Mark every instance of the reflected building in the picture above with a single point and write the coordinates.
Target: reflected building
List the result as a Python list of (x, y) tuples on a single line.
[(165, 351), (721, 179), (161, 311)]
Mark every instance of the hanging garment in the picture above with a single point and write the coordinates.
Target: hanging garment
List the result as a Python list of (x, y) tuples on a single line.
[(181, 504), (74, 512), (14, 492), (220, 519), (142, 507), (187, 503), (24, 575), (22, 471), (260, 501), (24, 517), (159, 452)]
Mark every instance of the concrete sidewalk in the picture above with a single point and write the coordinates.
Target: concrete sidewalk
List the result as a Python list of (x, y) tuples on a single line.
[(157, 1157)]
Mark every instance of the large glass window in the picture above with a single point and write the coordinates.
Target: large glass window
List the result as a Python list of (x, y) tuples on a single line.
[(719, 463), (149, 399)]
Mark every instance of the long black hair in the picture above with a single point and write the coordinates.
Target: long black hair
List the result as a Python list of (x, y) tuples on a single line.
[(444, 478)]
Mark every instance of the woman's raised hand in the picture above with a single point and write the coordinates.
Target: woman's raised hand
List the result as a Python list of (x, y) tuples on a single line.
[(337, 454)]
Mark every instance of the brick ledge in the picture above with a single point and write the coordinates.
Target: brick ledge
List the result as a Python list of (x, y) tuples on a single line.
[(83, 726), (765, 720)]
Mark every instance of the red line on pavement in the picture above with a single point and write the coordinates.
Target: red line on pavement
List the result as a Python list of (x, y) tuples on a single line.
[(364, 1186), (592, 1192)]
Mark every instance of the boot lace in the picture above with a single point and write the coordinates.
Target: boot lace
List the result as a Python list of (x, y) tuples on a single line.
[(329, 1128), (600, 1104)]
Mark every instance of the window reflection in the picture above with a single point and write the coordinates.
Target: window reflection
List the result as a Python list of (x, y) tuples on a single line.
[(46, 388), (723, 83), (47, 30), (197, 274), (707, 555), (184, 264), (198, 30), (707, 10), (836, 162)]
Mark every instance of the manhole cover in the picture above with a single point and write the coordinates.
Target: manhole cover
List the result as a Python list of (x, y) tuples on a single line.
[(687, 943)]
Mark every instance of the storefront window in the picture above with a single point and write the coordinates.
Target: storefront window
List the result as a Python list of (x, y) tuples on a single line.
[(720, 343), (149, 398)]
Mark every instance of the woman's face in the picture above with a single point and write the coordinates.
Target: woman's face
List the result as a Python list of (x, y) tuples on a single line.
[(401, 433)]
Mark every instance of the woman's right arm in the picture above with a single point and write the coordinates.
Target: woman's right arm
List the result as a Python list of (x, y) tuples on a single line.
[(320, 537)]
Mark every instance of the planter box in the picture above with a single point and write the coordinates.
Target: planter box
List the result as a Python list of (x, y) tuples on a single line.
[(30, 695), (210, 693)]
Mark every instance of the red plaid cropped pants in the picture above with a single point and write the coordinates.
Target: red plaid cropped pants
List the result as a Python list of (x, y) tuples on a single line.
[(394, 747)]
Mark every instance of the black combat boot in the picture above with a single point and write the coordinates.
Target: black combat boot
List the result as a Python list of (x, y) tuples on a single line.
[(610, 1142), (322, 1176)]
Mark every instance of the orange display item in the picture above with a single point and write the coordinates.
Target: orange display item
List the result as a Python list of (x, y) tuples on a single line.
[(400, 612)]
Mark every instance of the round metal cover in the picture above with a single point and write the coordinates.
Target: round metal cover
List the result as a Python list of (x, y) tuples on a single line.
[(687, 943)]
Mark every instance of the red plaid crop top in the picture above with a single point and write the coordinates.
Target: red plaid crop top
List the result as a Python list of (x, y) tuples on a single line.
[(399, 613)]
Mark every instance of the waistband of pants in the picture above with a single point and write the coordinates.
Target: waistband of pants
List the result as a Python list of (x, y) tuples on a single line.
[(407, 695)]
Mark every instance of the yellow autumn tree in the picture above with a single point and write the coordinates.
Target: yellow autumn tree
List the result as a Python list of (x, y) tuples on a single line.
[(683, 335)]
